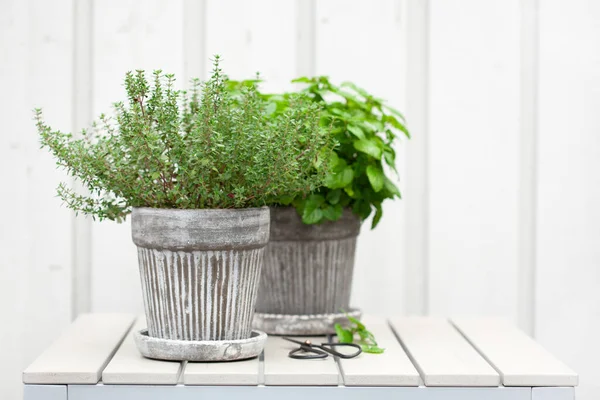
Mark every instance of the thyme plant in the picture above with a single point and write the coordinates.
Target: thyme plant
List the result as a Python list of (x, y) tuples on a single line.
[(206, 148)]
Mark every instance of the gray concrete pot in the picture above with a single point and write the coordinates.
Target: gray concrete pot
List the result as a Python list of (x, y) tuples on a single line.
[(200, 270), (307, 269)]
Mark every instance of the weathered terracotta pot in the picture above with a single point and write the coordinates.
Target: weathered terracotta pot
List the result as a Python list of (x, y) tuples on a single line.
[(200, 270), (307, 269)]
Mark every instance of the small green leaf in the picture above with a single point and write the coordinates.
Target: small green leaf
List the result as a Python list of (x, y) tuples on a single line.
[(376, 177), (390, 157), (391, 187), (302, 79), (356, 131), (369, 147), (358, 324), (333, 212), (312, 213), (377, 216), (344, 335), (286, 200), (340, 179), (270, 109), (372, 349), (333, 197), (366, 336)]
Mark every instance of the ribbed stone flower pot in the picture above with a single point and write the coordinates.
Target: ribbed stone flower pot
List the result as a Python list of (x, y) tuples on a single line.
[(307, 270), (200, 270)]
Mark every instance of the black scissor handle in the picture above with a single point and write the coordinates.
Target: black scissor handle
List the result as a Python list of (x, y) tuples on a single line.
[(307, 353), (330, 348)]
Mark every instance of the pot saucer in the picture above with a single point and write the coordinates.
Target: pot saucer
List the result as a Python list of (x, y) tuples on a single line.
[(201, 350), (315, 324)]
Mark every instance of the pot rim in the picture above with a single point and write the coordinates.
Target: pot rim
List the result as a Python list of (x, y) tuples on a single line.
[(200, 229)]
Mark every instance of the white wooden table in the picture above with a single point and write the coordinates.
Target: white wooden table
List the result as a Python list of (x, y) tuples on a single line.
[(425, 359)]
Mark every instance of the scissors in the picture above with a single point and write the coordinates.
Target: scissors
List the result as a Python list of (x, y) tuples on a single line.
[(309, 350)]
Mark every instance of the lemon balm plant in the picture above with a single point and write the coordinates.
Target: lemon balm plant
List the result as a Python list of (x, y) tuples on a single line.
[(366, 129), (196, 170), (313, 239)]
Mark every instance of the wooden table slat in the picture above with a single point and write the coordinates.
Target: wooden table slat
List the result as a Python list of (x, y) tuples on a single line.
[(128, 366), (392, 368), (440, 353), (279, 369), (82, 352), (243, 372), (517, 357)]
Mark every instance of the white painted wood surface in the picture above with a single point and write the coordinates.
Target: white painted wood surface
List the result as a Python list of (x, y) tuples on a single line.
[(518, 358), (392, 368), (474, 157), (128, 35), (81, 353), (239, 373), (441, 355), (378, 68), (279, 369), (128, 366), (35, 233), (567, 320)]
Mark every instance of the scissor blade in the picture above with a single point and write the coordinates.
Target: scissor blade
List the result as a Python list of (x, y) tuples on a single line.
[(292, 340)]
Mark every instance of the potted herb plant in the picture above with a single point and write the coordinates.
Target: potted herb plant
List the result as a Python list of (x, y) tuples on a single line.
[(309, 262), (196, 170)]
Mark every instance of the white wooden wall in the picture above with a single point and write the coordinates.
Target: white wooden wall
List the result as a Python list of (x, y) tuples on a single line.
[(501, 182)]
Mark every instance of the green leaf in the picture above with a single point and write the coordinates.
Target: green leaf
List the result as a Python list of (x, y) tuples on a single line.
[(376, 177), (372, 349), (355, 321), (369, 147), (391, 187), (270, 108), (302, 79), (390, 157), (333, 212), (285, 200), (333, 197), (356, 131), (377, 216), (395, 112), (340, 179), (344, 335), (367, 337), (312, 209)]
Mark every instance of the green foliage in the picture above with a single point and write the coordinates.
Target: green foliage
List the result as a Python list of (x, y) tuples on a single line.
[(366, 339), (365, 129), (207, 148)]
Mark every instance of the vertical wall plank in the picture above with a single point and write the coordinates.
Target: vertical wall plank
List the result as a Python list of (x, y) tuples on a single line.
[(568, 238), (194, 33), (416, 196), (253, 39), (306, 37), (367, 58), (528, 165), (82, 117), (128, 35), (35, 239), (474, 154)]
